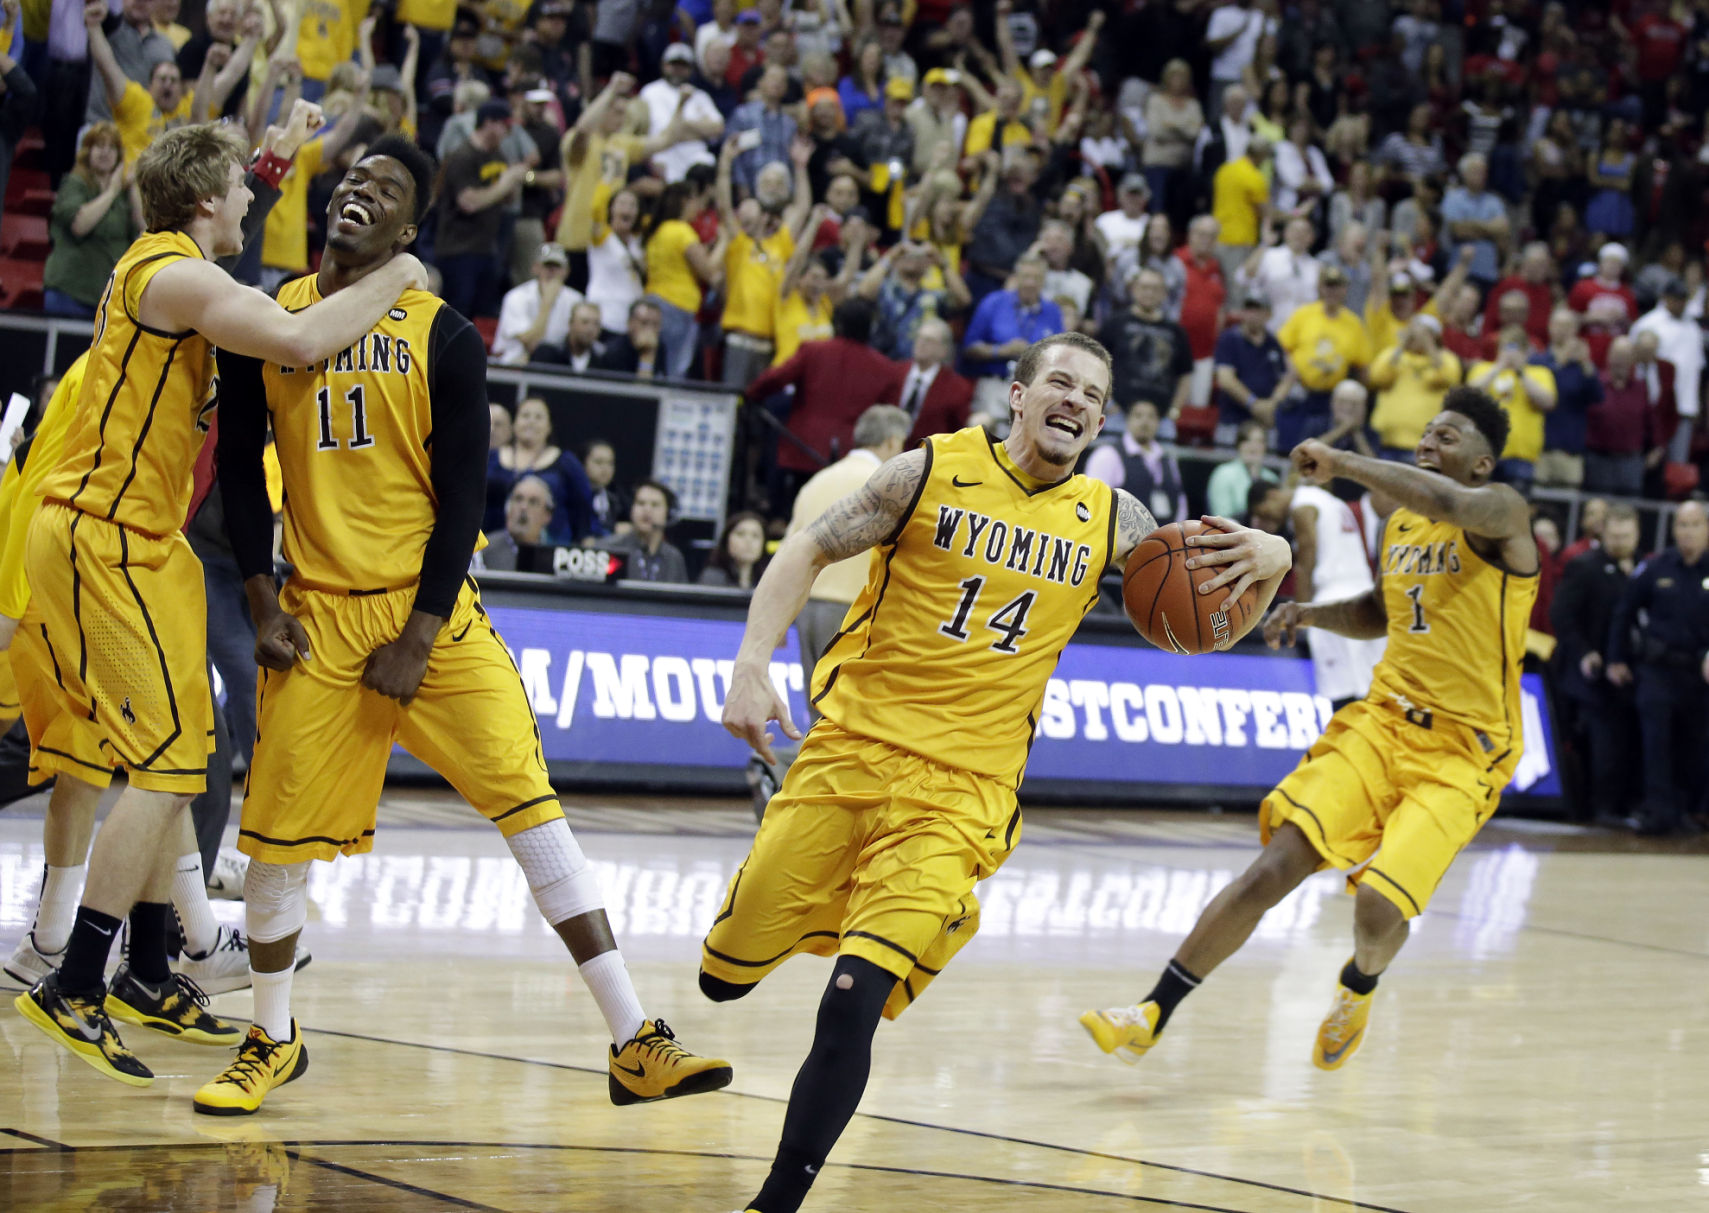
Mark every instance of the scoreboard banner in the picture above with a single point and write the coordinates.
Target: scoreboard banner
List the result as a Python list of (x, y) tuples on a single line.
[(634, 699)]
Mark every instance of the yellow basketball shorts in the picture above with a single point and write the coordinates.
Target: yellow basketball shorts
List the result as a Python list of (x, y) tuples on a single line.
[(1392, 801), (322, 738), (10, 707), (867, 850), (117, 631)]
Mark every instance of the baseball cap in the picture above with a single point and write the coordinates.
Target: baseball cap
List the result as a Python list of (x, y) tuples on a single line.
[(1332, 275), (553, 254), (943, 75), (748, 16), (1135, 181), (1614, 249), (1401, 284), (1675, 287), (1430, 322), (900, 88), (678, 52), (1042, 58), (386, 79), (492, 111), (1254, 299)]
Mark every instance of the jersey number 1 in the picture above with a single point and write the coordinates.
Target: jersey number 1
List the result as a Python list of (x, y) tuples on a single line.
[(1416, 593), (359, 435), (1009, 621)]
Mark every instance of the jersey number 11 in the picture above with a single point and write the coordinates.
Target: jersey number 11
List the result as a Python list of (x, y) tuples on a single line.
[(359, 435)]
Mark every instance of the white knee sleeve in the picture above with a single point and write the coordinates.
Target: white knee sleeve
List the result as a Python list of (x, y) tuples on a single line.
[(275, 899), (557, 871)]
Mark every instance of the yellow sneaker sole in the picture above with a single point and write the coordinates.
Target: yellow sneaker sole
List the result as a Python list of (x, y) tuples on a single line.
[(299, 1064), (79, 1048), (125, 1013)]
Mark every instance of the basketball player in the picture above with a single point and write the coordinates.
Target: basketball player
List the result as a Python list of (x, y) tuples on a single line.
[(1330, 565), (903, 795), (116, 593), (1403, 779), (379, 638)]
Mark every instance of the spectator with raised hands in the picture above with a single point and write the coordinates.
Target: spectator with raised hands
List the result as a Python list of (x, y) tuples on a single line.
[(760, 240), (617, 263), (680, 270), (1044, 78), (96, 214), (903, 299)]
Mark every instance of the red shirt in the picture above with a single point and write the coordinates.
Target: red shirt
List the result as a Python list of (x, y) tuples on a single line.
[(1660, 42), (1201, 302), (741, 63), (835, 381), (1617, 426), (1461, 344), (1542, 298), (1608, 311)]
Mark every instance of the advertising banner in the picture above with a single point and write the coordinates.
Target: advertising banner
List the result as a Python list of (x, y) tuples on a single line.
[(648, 690)]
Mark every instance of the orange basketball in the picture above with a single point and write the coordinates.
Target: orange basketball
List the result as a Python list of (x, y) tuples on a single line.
[(1162, 596)]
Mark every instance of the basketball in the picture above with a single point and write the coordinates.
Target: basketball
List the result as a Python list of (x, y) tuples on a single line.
[(1162, 596)]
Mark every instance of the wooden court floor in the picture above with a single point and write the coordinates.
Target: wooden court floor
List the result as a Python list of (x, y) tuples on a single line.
[(1543, 1042)]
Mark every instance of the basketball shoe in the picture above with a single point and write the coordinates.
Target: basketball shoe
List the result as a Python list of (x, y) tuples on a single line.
[(80, 1024), (261, 1064), (1128, 1032), (653, 1066), (1342, 1030), (225, 966), (225, 882), (175, 1007), (29, 964)]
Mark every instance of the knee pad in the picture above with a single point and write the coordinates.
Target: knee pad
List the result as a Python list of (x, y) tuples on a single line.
[(719, 990), (275, 899), (557, 871)]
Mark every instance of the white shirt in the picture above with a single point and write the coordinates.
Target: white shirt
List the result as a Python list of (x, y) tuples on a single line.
[(1235, 137), (1071, 284), (516, 315), (1342, 570), (615, 279), (1679, 341), (706, 35), (661, 98), (1248, 25), (1288, 280), (921, 378), (1119, 231), (1292, 169)]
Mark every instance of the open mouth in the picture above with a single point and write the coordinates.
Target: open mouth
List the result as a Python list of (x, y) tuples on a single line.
[(1064, 425), (357, 214)]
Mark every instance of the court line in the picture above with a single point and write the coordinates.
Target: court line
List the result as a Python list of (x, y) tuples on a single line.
[(895, 1120), (46, 1142), (456, 1202)]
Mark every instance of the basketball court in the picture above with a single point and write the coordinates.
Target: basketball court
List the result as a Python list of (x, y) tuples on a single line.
[(1540, 1044)]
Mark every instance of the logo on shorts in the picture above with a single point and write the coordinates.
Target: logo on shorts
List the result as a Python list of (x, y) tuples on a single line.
[(125, 711)]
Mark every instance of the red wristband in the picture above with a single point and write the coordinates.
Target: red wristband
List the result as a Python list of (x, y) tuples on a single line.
[(271, 168)]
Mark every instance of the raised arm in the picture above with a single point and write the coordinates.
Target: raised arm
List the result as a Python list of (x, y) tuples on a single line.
[(1006, 40), (723, 193), (234, 70), (1305, 551), (113, 77), (872, 516), (198, 295), (801, 196), (803, 250), (1082, 52)]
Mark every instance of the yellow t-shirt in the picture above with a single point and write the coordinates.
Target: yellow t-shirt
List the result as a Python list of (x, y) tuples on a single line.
[(285, 240), (37, 15), (798, 322), (141, 122), (429, 14), (1237, 192), (753, 274), (1525, 420), (1409, 393), (503, 22), (1324, 349), (1381, 324), (982, 129), (590, 192), (21, 490), (669, 276), (327, 36), (1055, 95)]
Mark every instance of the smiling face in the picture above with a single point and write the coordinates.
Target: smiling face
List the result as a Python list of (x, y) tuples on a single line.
[(1059, 413), (625, 212), (372, 212), (533, 424), (1452, 445), (103, 157)]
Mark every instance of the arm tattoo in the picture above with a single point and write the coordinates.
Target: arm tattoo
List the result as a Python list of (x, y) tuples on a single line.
[(870, 516), (1363, 618), (1133, 523)]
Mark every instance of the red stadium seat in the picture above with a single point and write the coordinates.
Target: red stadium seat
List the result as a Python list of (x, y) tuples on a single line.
[(487, 327), (24, 237), (1196, 426)]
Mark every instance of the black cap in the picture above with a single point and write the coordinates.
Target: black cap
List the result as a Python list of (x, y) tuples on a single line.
[(858, 212), (1675, 288), (1253, 299), (492, 111)]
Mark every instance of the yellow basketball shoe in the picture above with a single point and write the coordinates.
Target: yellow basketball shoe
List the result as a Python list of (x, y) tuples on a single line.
[(81, 1025), (261, 1064), (1342, 1030), (174, 1007), (1128, 1032), (653, 1066)]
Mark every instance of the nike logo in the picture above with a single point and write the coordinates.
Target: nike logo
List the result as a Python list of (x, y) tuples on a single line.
[(1403, 527), (811, 1169), (1170, 633), (85, 1029), (108, 932), (464, 632), (959, 483), (638, 1071), (1332, 1058)]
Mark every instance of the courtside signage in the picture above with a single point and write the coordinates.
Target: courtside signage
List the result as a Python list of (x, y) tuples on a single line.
[(649, 689)]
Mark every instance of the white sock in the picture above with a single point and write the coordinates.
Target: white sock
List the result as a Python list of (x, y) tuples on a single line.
[(61, 887), (273, 1002), (608, 981), (190, 899)]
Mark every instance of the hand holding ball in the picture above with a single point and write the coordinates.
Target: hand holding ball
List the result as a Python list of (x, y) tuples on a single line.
[(1165, 599)]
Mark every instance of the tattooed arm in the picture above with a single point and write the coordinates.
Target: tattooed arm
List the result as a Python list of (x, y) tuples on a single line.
[(859, 521), (1133, 523), (1363, 618)]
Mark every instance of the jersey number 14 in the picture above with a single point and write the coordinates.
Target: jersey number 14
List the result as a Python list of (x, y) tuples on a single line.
[(1008, 621), (359, 435)]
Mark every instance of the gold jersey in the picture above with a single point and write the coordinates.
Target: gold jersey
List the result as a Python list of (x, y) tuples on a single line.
[(947, 650), (20, 491), (1457, 628), (353, 435), (147, 402)]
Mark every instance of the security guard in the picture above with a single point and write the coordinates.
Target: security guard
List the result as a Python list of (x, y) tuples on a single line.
[(1670, 652)]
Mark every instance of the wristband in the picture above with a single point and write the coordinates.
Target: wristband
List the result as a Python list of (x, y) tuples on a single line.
[(270, 168)]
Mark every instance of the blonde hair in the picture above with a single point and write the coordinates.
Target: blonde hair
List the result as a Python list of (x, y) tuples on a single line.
[(98, 133), (184, 166)]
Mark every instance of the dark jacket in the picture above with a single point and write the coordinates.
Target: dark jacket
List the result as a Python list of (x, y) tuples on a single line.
[(1676, 597), (1584, 605)]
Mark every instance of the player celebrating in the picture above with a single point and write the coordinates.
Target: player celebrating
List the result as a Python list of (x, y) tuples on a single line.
[(380, 639), (116, 591), (903, 796), (1416, 767)]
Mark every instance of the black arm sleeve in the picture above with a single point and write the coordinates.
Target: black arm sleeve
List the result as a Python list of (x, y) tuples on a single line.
[(457, 393), (242, 477)]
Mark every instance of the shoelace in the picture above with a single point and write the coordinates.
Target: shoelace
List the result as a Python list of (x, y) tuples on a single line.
[(185, 987), (1127, 1017), (231, 940), (661, 1041), (255, 1055)]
